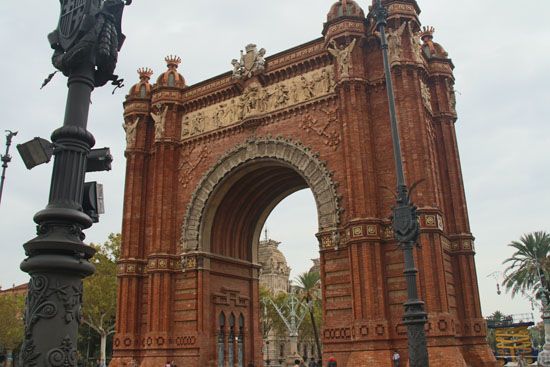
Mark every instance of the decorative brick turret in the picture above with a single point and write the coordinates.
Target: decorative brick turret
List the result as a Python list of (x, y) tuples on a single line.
[(171, 77)]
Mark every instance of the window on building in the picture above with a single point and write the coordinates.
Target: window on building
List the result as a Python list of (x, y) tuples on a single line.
[(231, 341), (171, 80), (240, 342), (221, 340)]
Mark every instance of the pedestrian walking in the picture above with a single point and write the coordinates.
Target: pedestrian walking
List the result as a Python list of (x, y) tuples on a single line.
[(396, 358), (332, 362), (312, 363)]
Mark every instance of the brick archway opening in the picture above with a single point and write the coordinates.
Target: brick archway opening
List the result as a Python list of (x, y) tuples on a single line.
[(253, 178), (223, 226), (238, 211)]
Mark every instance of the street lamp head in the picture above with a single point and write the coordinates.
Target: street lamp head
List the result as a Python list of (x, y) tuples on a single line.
[(99, 160), (35, 152)]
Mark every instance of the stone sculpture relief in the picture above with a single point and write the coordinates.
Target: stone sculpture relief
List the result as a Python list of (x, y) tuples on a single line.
[(256, 100), (131, 130), (159, 118), (325, 127), (342, 55), (416, 46), (426, 96), (451, 95), (251, 63), (395, 45), (188, 164)]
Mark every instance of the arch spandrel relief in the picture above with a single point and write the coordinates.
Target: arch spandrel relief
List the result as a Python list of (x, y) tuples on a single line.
[(256, 101)]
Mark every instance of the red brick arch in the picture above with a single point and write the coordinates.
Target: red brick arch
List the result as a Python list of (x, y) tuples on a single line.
[(204, 170), (292, 161)]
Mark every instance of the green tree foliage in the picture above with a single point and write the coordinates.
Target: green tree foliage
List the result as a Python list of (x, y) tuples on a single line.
[(309, 290), (100, 291), (12, 308), (529, 267)]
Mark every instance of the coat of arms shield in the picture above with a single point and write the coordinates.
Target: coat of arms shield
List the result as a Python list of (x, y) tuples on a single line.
[(70, 21), (249, 59), (405, 223)]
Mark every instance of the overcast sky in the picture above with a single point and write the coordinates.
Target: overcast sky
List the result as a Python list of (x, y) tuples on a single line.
[(500, 49)]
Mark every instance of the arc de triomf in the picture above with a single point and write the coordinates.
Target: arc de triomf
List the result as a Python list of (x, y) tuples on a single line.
[(207, 163)]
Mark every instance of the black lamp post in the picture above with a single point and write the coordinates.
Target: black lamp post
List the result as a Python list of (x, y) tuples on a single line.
[(6, 158), (86, 44), (405, 220)]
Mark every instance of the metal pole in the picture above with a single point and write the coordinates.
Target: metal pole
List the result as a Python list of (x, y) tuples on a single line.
[(405, 219), (6, 158), (86, 44)]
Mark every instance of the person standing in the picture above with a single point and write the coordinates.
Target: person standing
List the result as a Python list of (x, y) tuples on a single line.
[(312, 363), (331, 362), (396, 358)]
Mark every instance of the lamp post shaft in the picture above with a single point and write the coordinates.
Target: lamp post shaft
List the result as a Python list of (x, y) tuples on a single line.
[(58, 258), (405, 219), (6, 158)]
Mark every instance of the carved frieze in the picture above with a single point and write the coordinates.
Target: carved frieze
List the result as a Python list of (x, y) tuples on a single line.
[(257, 100)]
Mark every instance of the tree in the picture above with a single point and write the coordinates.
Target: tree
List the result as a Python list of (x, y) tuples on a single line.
[(12, 308), (529, 266), (100, 291), (308, 285)]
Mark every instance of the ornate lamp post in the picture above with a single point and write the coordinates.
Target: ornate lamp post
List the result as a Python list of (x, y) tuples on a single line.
[(6, 158), (86, 44), (296, 312), (405, 220)]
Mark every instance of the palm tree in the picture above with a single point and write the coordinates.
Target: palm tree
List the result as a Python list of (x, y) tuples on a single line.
[(308, 283), (529, 266)]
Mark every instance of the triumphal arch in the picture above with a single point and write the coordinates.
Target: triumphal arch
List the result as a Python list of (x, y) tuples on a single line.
[(207, 163)]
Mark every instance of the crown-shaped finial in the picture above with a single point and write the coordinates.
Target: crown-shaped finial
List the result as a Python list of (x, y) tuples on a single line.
[(427, 32), (172, 61), (145, 73)]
